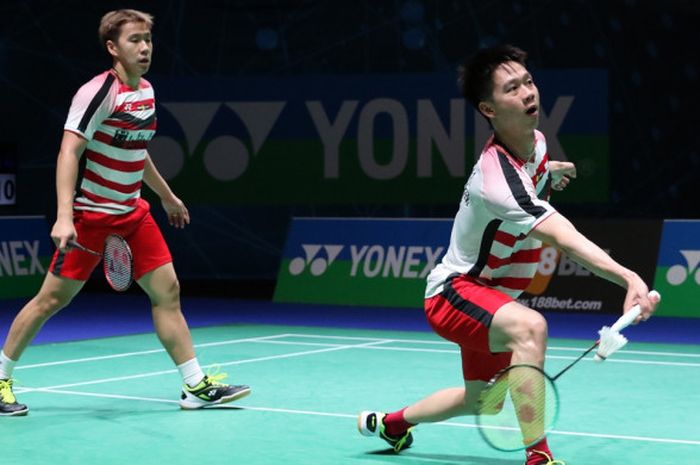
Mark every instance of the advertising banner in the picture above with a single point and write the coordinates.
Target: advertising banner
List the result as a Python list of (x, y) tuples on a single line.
[(565, 286), (678, 272), (381, 262), (384, 262), (25, 253), (357, 139)]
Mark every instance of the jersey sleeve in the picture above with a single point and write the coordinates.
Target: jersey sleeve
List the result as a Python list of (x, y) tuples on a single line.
[(510, 195), (91, 105)]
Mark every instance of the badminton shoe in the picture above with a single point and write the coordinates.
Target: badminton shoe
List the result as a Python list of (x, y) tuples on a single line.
[(372, 424), (210, 391), (538, 457), (8, 403)]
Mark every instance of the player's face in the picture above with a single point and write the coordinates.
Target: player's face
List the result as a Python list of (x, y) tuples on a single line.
[(515, 99), (134, 48)]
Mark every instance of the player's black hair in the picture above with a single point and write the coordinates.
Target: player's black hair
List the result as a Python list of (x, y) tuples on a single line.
[(475, 74)]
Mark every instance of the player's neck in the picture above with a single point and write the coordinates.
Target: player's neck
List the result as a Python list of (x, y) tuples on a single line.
[(519, 144), (130, 80)]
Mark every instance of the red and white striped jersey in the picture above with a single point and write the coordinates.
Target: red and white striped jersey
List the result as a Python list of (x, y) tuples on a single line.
[(117, 121), (504, 199)]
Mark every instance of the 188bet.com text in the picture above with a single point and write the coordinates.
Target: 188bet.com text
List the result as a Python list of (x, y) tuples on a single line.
[(555, 303)]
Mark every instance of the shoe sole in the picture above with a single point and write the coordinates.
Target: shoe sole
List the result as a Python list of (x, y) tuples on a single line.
[(19, 413), (224, 400)]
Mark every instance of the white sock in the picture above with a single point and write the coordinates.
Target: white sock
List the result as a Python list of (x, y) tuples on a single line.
[(7, 366), (191, 372)]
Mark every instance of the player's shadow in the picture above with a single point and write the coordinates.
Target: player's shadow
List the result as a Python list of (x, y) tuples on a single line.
[(447, 459)]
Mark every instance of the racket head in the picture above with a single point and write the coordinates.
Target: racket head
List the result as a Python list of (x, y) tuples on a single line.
[(507, 428), (118, 263)]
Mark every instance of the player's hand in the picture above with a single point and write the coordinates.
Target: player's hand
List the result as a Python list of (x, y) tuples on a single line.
[(178, 215), (562, 172), (638, 293), (62, 232)]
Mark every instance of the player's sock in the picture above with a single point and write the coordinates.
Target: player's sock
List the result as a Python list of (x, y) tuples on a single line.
[(7, 366), (395, 424), (191, 372), (538, 453)]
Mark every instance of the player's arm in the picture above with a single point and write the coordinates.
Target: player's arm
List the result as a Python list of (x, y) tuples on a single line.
[(558, 231), (72, 148), (178, 215)]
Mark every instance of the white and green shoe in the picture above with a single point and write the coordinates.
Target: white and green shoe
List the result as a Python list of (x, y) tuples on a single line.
[(8, 402), (372, 424), (210, 391)]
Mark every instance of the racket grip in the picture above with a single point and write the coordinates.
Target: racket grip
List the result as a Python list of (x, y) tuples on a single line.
[(627, 319)]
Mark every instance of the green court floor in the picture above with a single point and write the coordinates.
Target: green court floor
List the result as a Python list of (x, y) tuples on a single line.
[(114, 401)]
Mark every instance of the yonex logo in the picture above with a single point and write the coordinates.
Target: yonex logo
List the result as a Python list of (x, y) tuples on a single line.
[(20, 258), (677, 274), (225, 157), (318, 264), (369, 260)]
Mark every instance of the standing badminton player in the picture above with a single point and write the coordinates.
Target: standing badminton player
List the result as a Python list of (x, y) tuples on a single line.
[(111, 120), (504, 215)]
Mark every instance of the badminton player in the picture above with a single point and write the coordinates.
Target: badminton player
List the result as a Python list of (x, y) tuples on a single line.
[(503, 217), (111, 120)]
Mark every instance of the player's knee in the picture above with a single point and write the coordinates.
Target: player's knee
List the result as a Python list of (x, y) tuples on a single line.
[(537, 328), (48, 304), (168, 294), (531, 335), (174, 290)]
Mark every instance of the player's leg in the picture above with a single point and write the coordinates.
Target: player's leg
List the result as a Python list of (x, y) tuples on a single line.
[(155, 273), (445, 404), (55, 293), (520, 330), (163, 290), (461, 314), (524, 332)]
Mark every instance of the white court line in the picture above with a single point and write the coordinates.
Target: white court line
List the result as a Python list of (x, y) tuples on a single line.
[(635, 352), (143, 352), (448, 343), (235, 362), (627, 360), (345, 415), (454, 351), (595, 435), (273, 339)]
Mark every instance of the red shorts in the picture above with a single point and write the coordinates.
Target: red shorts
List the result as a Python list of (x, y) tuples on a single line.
[(141, 232), (462, 313)]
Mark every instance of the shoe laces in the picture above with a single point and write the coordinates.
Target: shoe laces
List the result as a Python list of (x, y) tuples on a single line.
[(550, 459), (214, 376), (400, 443), (6, 394)]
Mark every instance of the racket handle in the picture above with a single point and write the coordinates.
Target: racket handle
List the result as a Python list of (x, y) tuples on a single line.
[(75, 244), (627, 319)]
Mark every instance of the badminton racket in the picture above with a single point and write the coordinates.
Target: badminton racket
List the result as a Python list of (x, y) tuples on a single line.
[(520, 404), (117, 261)]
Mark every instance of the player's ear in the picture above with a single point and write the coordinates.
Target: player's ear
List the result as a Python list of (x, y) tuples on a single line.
[(111, 48), (486, 109)]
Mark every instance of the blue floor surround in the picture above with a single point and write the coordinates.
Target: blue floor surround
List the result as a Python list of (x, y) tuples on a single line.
[(95, 315)]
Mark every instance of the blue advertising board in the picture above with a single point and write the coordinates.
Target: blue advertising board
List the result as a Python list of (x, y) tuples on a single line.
[(25, 253)]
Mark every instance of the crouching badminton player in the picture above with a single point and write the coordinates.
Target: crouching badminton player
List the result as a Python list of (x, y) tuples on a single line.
[(504, 215)]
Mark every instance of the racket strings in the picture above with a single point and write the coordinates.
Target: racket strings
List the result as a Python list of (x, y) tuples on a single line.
[(118, 263), (517, 408)]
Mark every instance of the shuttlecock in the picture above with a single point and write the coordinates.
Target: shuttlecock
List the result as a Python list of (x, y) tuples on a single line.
[(610, 342)]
